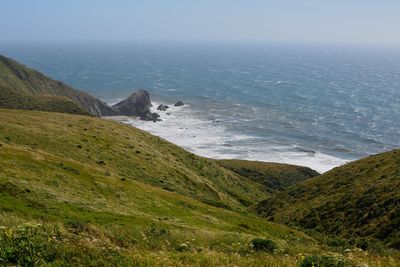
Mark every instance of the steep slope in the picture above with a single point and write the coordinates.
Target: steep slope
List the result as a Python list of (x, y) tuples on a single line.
[(96, 189), (360, 199), (18, 82), (16, 100), (129, 153), (274, 176), (82, 191)]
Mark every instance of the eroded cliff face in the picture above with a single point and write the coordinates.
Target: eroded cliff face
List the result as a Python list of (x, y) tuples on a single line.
[(137, 104), (93, 105), (22, 82)]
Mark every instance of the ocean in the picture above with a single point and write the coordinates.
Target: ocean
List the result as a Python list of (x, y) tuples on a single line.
[(317, 106)]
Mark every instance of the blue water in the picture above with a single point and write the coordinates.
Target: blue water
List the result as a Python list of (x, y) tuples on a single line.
[(312, 105)]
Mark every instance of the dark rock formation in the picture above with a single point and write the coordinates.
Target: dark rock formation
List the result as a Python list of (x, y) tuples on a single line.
[(178, 104), (25, 88), (162, 107), (137, 104), (149, 116)]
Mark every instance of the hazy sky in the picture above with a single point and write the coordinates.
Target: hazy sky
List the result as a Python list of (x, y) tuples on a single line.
[(348, 21)]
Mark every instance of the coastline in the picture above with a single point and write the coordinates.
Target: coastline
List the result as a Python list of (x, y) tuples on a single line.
[(210, 139)]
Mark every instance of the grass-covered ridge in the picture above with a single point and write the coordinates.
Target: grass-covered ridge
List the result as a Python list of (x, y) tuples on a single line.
[(84, 191), (360, 199), (131, 154), (274, 176), (105, 188), (11, 99), (24, 88)]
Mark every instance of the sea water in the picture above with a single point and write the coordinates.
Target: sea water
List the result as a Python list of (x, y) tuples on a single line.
[(317, 106)]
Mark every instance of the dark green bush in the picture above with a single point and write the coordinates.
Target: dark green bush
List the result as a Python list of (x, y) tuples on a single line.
[(157, 237), (362, 243), (28, 245), (182, 247), (33, 245), (76, 226), (369, 245), (322, 261), (337, 242), (266, 245)]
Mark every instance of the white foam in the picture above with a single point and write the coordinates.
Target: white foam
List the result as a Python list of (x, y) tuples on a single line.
[(208, 138)]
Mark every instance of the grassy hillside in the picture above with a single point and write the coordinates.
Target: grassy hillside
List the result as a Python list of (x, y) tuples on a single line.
[(132, 154), (274, 176), (360, 199), (25, 88), (84, 191), (97, 186), (17, 100)]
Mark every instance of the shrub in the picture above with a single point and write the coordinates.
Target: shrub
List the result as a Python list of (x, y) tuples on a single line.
[(266, 245), (322, 261), (183, 247), (369, 244), (33, 245), (76, 226), (156, 237), (28, 245), (337, 242)]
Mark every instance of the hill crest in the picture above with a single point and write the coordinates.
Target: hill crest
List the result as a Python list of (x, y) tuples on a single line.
[(359, 199)]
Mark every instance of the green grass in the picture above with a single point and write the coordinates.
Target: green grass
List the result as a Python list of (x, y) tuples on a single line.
[(78, 144), (17, 100), (274, 176), (99, 193), (28, 89), (28, 81), (359, 201)]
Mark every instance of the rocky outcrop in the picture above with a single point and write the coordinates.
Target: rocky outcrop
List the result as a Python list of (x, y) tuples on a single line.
[(162, 107), (150, 116), (178, 104), (25, 88), (137, 104)]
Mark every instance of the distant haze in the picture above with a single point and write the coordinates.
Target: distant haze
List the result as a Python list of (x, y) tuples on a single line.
[(314, 21)]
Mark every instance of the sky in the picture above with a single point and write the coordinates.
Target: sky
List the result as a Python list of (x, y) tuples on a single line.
[(310, 21)]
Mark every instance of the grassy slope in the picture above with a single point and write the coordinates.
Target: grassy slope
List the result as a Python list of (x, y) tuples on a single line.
[(29, 81), (24, 88), (360, 199), (274, 176), (100, 184), (129, 153), (14, 100), (113, 183)]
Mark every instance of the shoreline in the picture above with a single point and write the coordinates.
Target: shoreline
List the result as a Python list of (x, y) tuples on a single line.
[(214, 141)]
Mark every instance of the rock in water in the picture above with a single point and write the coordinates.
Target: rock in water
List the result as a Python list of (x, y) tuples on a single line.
[(178, 104), (137, 104), (162, 107), (149, 116)]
